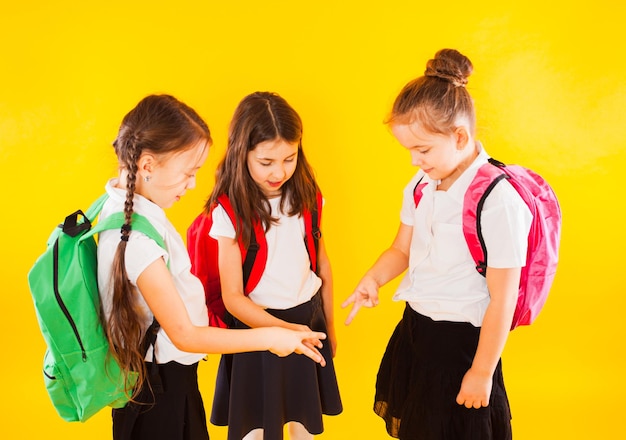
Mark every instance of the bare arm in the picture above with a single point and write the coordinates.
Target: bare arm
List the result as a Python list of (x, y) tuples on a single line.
[(391, 263), (231, 279), (503, 285), (158, 289), (325, 273)]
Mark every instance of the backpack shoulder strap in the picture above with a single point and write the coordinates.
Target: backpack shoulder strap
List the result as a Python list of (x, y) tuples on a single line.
[(116, 220), (96, 207), (139, 223), (254, 256), (417, 190), (78, 222), (313, 233), (487, 177)]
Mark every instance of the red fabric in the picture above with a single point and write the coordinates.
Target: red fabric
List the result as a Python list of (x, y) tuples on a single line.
[(203, 252)]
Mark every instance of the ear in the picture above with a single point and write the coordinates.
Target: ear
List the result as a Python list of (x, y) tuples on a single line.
[(145, 165), (461, 136)]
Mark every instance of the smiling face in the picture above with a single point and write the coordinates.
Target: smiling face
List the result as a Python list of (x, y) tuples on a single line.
[(441, 156), (170, 176), (271, 164)]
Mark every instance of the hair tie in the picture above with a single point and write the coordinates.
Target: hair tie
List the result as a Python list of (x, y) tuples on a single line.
[(459, 82), (126, 228), (456, 81)]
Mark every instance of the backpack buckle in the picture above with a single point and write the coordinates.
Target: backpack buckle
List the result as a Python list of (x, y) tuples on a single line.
[(481, 268)]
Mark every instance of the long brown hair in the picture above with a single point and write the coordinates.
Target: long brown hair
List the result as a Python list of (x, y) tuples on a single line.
[(159, 124), (260, 117), (439, 97)]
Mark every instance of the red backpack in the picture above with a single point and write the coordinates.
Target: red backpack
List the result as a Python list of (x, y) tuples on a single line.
[(543, 239), (203, 252)]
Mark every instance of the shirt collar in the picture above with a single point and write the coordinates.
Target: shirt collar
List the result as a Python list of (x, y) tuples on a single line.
[(459, 187), (141, 205)]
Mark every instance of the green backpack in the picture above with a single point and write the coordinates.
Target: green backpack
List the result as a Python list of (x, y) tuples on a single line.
[(80, 374)]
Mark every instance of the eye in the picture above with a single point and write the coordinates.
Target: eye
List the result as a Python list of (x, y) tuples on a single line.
[(265, 164)]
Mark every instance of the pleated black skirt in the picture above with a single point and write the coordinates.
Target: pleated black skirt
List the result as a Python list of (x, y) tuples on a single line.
[(174, 413), (420, 376), (261, 390)]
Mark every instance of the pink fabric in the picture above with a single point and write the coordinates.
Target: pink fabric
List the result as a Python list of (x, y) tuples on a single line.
[(543, 239)]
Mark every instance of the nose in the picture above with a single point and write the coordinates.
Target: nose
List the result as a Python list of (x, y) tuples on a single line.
[(280, 172), (416, 159)]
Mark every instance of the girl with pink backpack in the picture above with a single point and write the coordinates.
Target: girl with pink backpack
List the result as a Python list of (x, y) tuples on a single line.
[(441, 375)]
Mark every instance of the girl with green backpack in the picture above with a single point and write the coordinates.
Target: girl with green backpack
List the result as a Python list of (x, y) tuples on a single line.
[(160, 146)]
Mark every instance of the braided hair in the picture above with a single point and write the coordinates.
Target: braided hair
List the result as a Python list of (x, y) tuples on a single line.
[(159, 124)]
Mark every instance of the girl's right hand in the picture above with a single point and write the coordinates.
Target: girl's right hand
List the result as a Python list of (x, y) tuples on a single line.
[(310, 343), (283, 342), (365, 294)]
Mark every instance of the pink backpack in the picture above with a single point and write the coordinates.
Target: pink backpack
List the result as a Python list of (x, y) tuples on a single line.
[(543, 238)]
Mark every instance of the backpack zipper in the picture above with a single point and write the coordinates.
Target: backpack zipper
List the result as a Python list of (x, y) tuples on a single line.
[(62, 305)]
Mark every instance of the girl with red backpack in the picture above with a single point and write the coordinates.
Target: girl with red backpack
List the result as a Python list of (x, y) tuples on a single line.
[(267, 179), (441, 375)]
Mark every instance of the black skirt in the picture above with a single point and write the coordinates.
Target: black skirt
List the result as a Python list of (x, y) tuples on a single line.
[(171, 410), (420, 376), (261, 390)]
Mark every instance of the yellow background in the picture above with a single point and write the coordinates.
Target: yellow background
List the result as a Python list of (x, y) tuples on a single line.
[(550, 90)]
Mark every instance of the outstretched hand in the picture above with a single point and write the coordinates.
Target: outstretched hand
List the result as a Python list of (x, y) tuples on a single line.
[(285, 341), (365, 294)]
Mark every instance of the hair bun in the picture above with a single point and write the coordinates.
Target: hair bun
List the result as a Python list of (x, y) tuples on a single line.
[(450, 65)]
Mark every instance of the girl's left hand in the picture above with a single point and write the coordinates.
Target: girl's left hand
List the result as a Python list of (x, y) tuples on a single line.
[(475, 390)]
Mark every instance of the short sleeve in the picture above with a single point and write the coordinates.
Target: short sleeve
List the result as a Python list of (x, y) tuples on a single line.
[(407, 212), (141, 252), (222, 226), (505, 224)]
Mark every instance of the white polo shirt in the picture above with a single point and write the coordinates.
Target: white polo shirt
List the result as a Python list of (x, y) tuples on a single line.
[(288, 280), (141, 251), (442, 281)]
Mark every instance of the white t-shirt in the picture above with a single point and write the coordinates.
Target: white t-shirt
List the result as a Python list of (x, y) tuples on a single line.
[(287, 280), (442, 281), (141, 251)]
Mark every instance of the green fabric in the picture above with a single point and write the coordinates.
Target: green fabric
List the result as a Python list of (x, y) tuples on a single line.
[(79, 380)]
